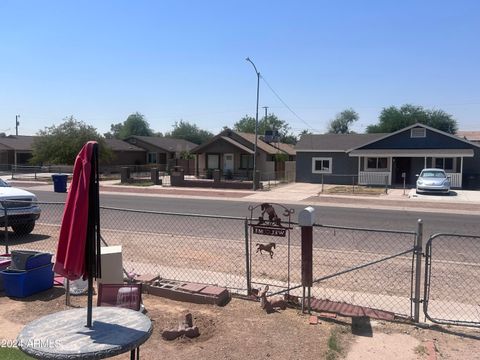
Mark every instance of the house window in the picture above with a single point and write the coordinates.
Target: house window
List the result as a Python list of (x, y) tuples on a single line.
[(446, 164), (213, 161), (321, 165), (152, 158), (377, 163), (246, 161), (418, 132)]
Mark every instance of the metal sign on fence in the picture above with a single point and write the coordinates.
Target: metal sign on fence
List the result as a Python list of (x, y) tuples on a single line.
[(269, 222)]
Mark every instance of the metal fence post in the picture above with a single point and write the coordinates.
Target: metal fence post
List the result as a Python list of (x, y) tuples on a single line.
[(418, 268), (247, 260), (322, 183)]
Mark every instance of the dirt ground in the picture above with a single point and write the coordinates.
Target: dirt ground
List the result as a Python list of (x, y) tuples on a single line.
[(242, 330)]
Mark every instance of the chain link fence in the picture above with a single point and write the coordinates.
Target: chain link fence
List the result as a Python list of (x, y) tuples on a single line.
[(452, 279), (367, 267)]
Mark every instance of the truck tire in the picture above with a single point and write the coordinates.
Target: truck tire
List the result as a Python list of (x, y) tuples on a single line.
[(24, 229)]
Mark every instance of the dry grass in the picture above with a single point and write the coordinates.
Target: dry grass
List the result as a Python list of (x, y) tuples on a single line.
[(354, 190)]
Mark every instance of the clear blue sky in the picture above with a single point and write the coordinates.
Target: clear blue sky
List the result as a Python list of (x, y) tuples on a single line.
[(170, 60)]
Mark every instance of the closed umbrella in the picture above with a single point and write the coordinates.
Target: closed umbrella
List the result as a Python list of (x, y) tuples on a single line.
[(78, 251)]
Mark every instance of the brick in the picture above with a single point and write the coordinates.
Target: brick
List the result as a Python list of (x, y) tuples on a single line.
[(313, 320), (194, 288), (146, 278), (213, 290), (328, 315), (432, 353)]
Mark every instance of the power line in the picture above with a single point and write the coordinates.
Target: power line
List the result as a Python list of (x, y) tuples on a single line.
[(288, 107)]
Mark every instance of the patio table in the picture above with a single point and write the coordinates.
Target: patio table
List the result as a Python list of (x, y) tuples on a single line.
[(64, 335)]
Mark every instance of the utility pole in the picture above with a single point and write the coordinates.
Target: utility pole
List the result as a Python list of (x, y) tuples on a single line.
[(266, 108), (16, 124)]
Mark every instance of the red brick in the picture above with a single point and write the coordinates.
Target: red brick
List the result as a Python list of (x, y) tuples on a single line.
[(432, 353), (194, 288), (313, 320)]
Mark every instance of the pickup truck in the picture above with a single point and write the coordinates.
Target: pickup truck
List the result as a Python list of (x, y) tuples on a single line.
[(21, 209)]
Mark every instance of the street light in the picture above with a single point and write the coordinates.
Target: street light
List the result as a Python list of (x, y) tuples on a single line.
[(256, 128)]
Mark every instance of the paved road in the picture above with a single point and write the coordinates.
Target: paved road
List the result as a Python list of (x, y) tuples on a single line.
[(341, 216)]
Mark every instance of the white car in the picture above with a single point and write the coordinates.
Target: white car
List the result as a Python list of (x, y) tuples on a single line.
[(21, 208), (433, 180)]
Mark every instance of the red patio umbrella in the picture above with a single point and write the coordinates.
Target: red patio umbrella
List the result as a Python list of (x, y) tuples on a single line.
[(78, 251)]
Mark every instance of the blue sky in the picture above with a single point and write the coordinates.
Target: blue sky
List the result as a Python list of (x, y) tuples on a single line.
[(171, 60)]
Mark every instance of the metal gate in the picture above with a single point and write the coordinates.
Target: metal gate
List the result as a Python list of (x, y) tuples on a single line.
[(270, 248), (452, 279), (368, 268)]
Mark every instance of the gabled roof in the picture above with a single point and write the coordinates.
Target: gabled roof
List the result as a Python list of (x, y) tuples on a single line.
[(18, 143), (270, 149), (237, 144), (120, 145), (334, 142), (167, 144), (410, 127), (469, 135)]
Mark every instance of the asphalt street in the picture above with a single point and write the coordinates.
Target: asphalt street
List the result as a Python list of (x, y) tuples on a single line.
[(340, 216)]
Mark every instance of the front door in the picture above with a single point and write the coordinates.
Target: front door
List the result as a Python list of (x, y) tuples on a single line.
[(401, 165), (227, 163)]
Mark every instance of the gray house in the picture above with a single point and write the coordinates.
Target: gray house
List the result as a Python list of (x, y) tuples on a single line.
[(379, 159), (15, 149)]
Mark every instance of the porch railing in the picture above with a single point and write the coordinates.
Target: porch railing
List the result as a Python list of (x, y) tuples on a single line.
[(455, 180), (373, 178)]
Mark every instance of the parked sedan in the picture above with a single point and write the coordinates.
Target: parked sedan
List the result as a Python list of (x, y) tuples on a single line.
[(433, 180)]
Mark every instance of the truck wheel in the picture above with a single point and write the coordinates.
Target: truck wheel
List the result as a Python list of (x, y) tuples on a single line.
[(23, 229)]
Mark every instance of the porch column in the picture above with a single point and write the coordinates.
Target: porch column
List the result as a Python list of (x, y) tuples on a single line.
[(461, 172)]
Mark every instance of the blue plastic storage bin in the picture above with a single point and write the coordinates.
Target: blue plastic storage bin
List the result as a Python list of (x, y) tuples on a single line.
[(23, 283), (27, 260), (5, 261)]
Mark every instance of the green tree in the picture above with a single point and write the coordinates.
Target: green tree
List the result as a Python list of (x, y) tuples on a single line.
[(60, 144), (190, 132), (134, 125), (271, 122), (392, 119), (342, 122)]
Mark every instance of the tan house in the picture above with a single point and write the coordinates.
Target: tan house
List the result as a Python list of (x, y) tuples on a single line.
[(232, 153), (161, 150), (124, 153)]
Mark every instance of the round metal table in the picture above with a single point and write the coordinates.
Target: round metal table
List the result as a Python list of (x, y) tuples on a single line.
[(64, 335)]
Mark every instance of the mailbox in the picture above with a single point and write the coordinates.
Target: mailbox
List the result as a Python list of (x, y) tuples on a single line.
[(306, 217)]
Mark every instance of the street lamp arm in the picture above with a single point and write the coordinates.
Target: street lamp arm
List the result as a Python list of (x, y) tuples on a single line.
[(251, 62)]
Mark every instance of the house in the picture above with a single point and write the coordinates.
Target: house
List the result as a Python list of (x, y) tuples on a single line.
[(161, 150), (15, 149), (232, 153), (124, 153), (386, 159)]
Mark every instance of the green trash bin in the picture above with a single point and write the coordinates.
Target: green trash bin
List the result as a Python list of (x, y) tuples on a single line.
[(59, 183)]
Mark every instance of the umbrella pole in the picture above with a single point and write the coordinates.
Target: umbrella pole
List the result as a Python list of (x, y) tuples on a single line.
[(90, 300)]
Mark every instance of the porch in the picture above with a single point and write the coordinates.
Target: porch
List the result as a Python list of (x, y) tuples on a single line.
[(397, 168)]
